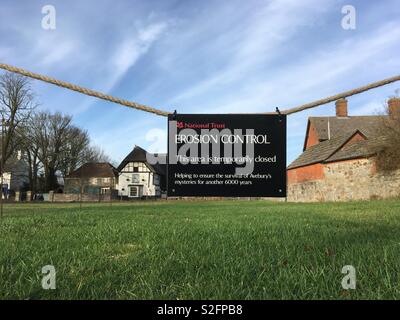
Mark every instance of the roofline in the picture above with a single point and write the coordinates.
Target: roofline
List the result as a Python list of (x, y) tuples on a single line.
[(112, 168), (306, 165), (149, 165), (356, 116), (350, 158), (332, 161), (335, 117), (306, 136), (331, 154)]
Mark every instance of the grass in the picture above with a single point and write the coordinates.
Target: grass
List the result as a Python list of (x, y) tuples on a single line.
[(201, 250)]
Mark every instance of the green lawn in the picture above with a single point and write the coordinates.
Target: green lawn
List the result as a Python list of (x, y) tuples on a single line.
[(201, 250)]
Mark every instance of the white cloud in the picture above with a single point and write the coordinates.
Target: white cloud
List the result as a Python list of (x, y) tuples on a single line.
[(205, 57), (57, 53), (312, 77), (123, 58), (132, 48), (273, 25)]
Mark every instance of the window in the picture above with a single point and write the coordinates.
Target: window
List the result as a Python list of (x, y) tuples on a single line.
[(133, 192), (135, 178), (104, 190), (135, 169)]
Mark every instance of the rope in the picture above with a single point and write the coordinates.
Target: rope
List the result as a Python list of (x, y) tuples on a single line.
[(342, 95), (86, 91), (142, 107)]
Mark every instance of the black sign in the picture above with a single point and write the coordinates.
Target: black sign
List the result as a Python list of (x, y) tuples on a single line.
[(230, 155)]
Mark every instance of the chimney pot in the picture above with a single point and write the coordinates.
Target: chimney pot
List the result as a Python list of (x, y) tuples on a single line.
[(394, 108), (341, 108)]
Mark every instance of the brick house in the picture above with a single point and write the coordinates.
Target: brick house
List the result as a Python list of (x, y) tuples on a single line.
[(337, 163), (92, 178)]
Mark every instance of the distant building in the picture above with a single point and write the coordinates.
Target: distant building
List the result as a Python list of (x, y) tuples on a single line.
[(338, 161), (92, 178), (15, 176), (138, 178)]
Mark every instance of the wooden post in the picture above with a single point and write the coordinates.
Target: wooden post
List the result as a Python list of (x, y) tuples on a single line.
[(111, 187), (81, 193), (2, 165)]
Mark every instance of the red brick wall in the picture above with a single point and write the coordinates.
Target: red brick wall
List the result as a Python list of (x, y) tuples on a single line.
[(312, 138), (357, 137), (308, 173), (316, 171), (341, 108)]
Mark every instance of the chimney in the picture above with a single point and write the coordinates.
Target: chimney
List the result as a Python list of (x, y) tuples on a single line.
[(341, 108), (394, 108)]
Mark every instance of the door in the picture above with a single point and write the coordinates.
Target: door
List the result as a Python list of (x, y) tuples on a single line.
[(135, 191)]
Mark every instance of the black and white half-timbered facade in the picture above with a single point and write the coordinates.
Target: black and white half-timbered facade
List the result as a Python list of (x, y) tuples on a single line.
[(138, 178)]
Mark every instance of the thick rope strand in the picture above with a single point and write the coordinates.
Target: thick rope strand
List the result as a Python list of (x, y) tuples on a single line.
[(86, 91), (342, 95), (165, 113)]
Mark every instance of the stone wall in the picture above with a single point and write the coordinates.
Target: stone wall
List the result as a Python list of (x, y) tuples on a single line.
[(346, 181), (73, 197)]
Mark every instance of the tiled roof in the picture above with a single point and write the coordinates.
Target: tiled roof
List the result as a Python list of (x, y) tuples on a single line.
[(359, 149), (138, 154), (94, 170), (368, 125), (341, 129), (321, 151)]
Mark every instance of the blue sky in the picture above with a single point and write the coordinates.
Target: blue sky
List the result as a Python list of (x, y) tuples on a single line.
[(201, 57)]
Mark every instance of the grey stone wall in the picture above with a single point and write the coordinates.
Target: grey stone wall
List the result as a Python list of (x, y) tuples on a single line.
[(72, 197), (346, 181)]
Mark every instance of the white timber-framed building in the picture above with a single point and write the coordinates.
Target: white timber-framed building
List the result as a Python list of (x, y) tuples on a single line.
[(138, 178)]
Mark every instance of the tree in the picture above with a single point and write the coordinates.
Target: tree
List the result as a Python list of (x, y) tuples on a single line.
[(16, 106), (74, 151), (30, 152), (54, 145), (386, 147), (51, 144), (78, 151), (49, 134), (95, 154), (388, 157)]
